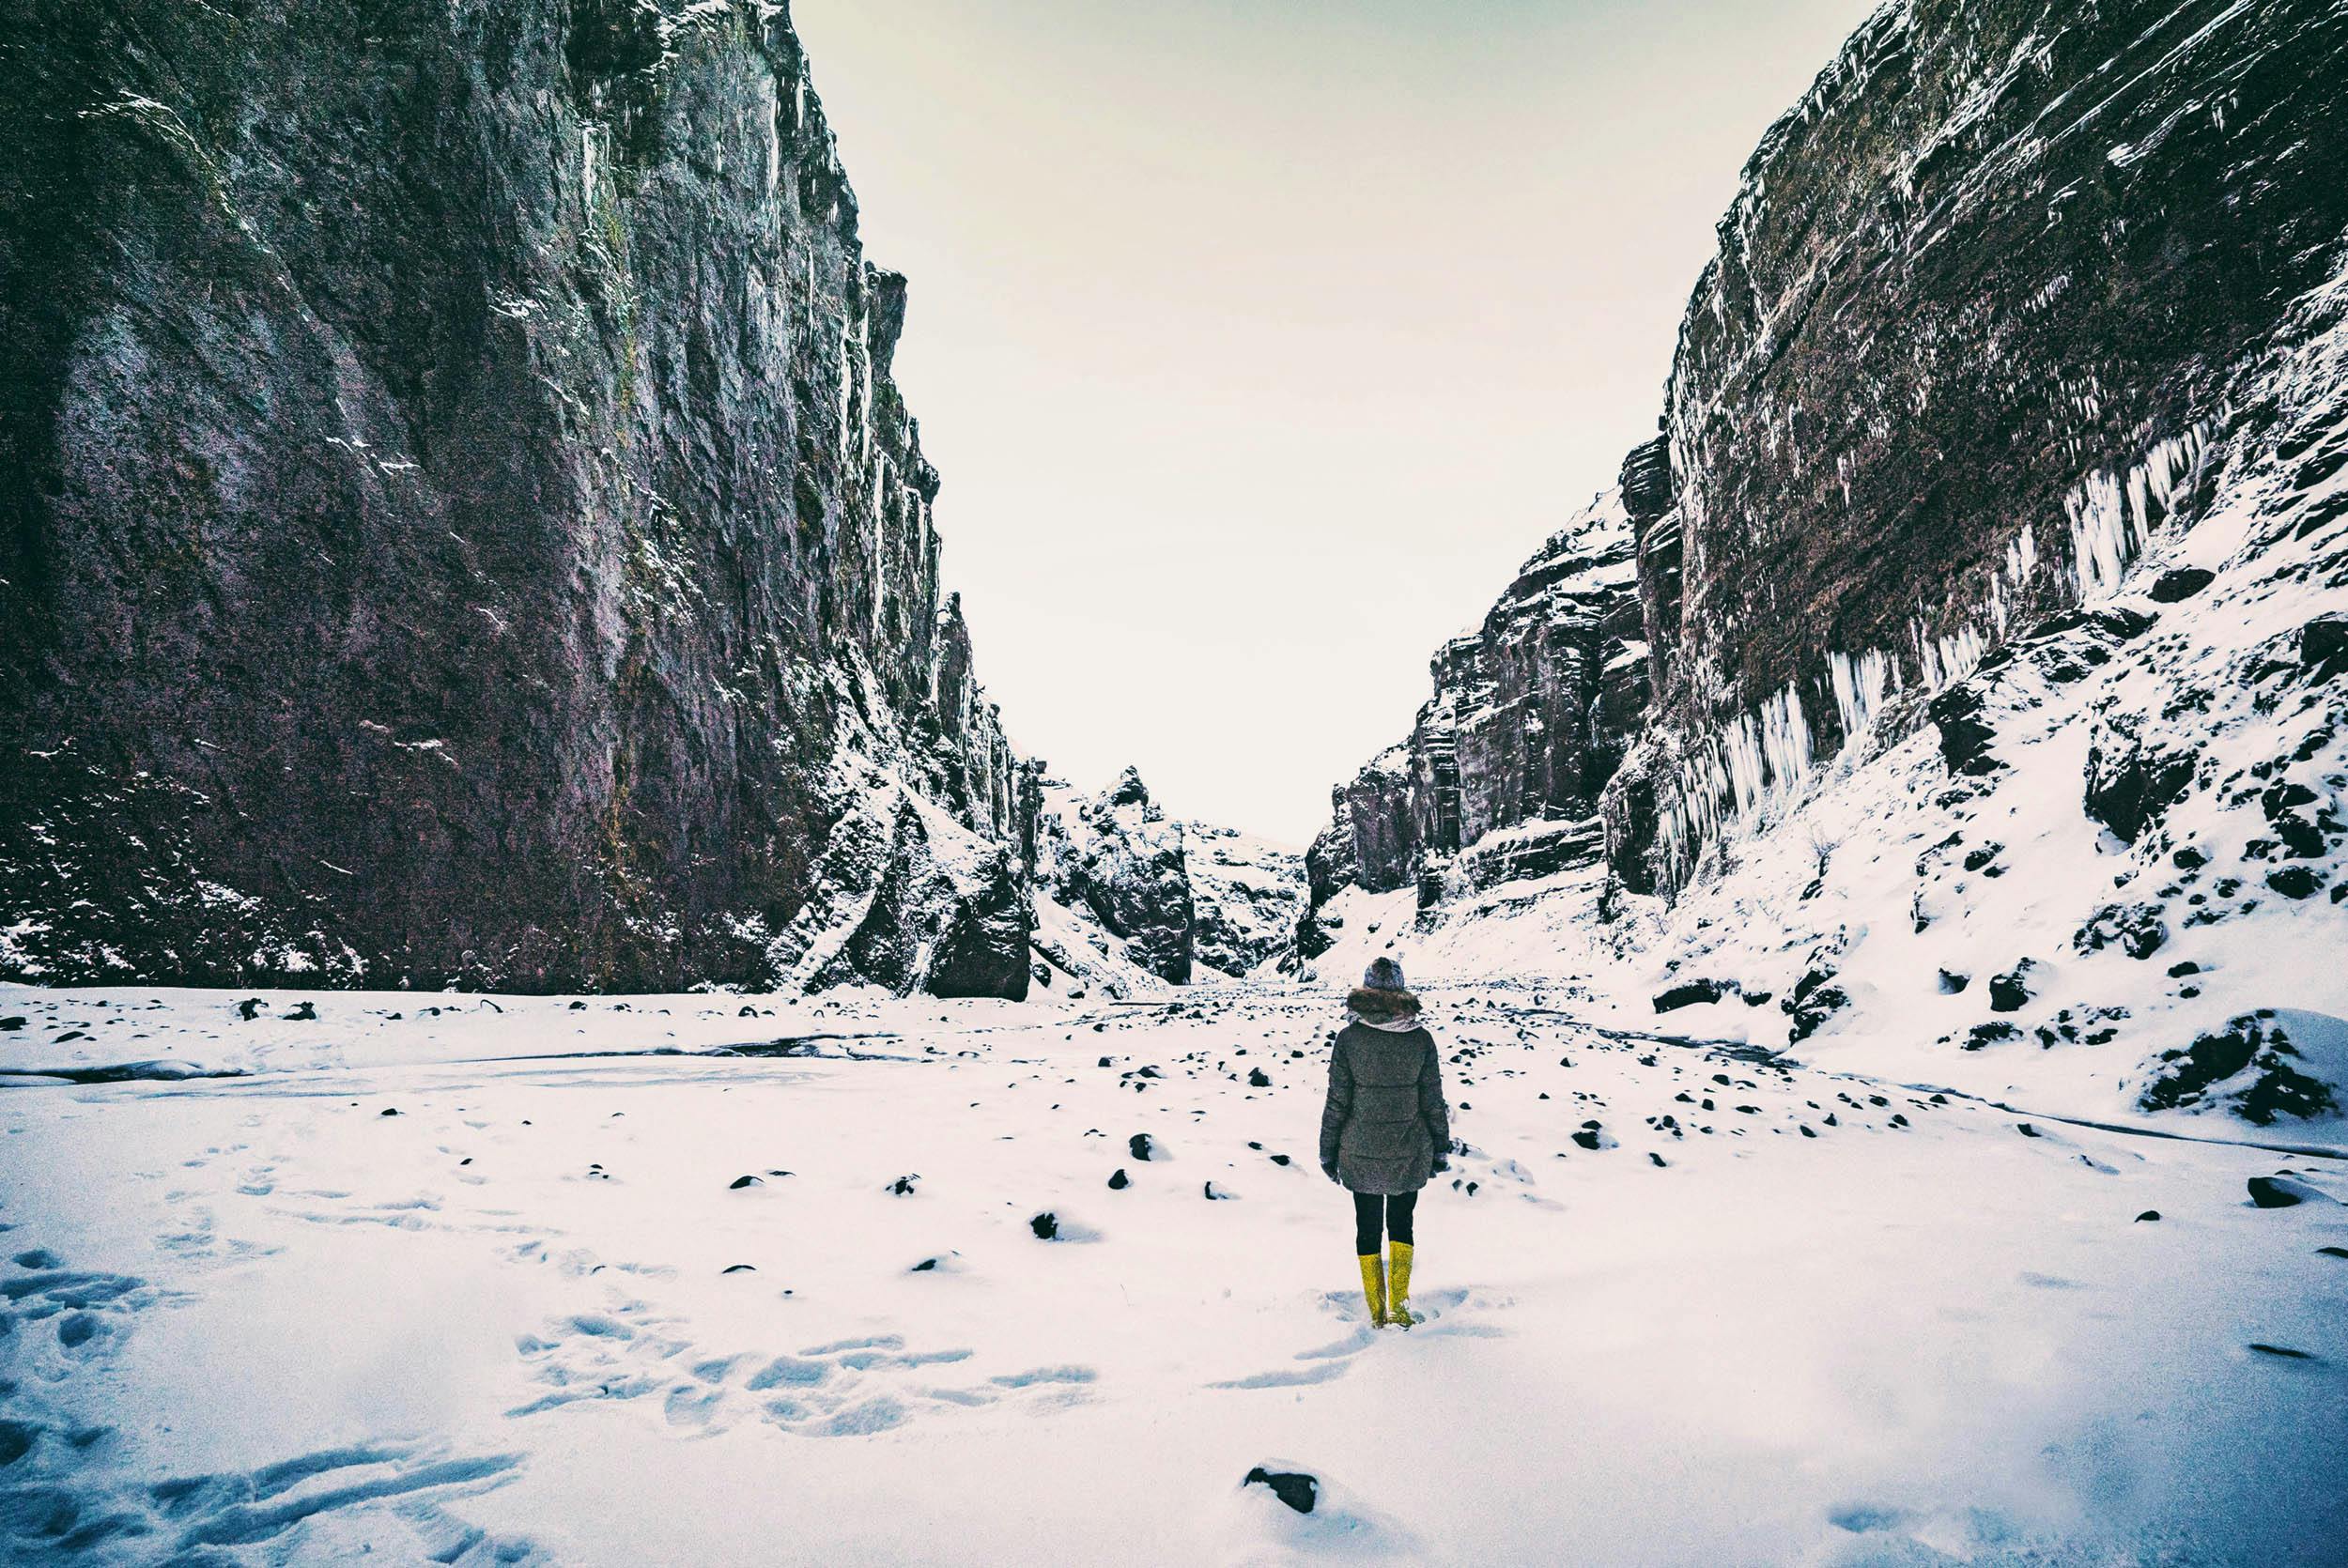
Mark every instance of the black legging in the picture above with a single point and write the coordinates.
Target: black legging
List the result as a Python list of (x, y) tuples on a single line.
[(1396, 1209)]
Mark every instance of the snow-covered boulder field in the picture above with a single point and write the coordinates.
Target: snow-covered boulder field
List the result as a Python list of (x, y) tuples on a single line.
[(459, 1279)]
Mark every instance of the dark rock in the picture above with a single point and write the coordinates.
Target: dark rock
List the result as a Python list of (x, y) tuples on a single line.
[(1815, 997), (2148, 1217), (1965, 733), (926, 1266), (2010, 992), (2026, 1129), (10, 1026), (1141, 1146), (307, 1012), (2331, 1252), (2283, 1351), (739, 1182), (903, 1187), (2294, 882), (2323, 646), (1257, 1079), (1691, 993), (390, 1110), (2280, 1192), (1953, 984), (2258, 1040), (1119, 1181), (739, 1269), (2179, 971), (2130, 783), (2180, 583), (1295, 1488), (2138, 929), (1046, 1225), (250, 1009)]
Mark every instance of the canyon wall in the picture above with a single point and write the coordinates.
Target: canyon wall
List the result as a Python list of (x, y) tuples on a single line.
[(456, 521), (1991, 579)]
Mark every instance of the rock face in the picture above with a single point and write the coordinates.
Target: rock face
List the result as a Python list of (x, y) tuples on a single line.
[(1531, 714), (1118, 859), (1184, 902), (1987, 298), (457, 523), (1989, 301)]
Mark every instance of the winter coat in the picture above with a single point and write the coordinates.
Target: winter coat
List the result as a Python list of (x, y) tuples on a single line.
[(1383, 1124)]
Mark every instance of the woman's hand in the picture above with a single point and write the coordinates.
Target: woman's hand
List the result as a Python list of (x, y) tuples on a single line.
[(1331, 1172)]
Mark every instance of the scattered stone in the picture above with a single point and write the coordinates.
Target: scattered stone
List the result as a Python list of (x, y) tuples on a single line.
[(1046, 1225), (902, 1186), (250, 1009), (1214, 1196), (10, 1026), (739, 1182), (2150, 1216), (1953, 984), (739, 1269), (1142, 1148), (924, 1266), (2331, 1252), (2284, 1351), (2028, 1130), (2280, 1192), (391, 1111), (1295, 1488), (306, 1013), (1119, 1181), (1257, 1079), (1990, 1034)]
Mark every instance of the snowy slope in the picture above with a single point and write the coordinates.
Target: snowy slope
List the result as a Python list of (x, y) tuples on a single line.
[(387, 1299)]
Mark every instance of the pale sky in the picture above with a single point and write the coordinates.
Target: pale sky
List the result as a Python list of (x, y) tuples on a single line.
[(1259, 340)]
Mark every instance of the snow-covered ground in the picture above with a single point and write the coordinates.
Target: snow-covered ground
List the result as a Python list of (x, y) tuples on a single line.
[(657, 1280)]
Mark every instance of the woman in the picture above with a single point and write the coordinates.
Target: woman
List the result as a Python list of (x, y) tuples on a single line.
[(1383, 1130)]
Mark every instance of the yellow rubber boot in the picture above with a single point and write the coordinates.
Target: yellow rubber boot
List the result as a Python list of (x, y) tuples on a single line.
[(1399, 1289), (1374, 1289)]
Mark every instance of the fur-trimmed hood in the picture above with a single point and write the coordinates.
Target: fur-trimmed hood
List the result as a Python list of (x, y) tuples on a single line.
[(1394, 1012)]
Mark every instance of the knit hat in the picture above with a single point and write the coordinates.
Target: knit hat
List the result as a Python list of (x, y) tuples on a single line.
[(1383, 974)]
